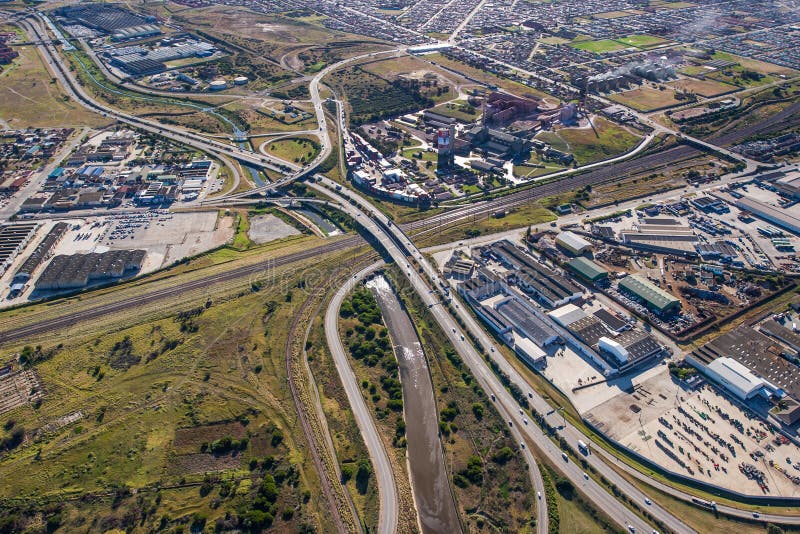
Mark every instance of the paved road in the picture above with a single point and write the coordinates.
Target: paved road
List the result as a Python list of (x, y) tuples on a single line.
[(387, 491), (436, 509)]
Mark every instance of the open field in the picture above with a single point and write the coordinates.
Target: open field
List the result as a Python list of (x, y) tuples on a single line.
[(598, 47), (294, 149), (706, 88), (511, 86), (436, 83), (606, 140), (518, 217), (371, 97), (459, 110), (196, 399), (646, 98), (29, 96)]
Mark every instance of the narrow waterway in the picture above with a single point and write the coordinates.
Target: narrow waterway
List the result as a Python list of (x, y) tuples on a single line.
[(429, 481)]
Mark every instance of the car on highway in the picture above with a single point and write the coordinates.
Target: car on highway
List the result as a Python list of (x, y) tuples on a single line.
[(492, 395), (539, 494), (756, 515), (565, 457), (647, 501), (585, 476), (510, 423), (521, 444), (525, 420)]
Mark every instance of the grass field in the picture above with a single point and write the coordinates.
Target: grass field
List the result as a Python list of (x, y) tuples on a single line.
[(437, 84), (587, 145), (29, 96), (644, 42), (150, 405), (646, 98), (706, 88), (518, 217), (294, 149), (736, 74), (598, 47), (371, 97), (511, 86), (459, 110)]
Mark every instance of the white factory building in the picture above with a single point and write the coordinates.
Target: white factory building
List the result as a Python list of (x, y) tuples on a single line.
[(737, 378)]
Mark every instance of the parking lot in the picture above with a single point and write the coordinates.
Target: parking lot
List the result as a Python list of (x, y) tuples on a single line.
[(167, 237), (700, 434)]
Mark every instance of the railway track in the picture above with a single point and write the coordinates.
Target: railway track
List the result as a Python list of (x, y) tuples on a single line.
[(332, 496), (70, 319)]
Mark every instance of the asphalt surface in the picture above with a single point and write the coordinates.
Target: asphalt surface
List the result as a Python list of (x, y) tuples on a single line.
[(436, 509)]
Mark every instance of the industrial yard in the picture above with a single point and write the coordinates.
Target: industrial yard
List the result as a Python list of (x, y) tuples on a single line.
[(159, 238)]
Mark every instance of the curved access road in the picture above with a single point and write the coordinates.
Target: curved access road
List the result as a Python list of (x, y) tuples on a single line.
[(387, 491)]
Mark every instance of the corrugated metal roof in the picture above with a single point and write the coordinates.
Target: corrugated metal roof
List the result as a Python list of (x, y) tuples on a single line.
[(648, 291), (587, 268)]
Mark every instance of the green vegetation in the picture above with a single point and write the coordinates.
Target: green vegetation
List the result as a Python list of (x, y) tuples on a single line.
[(518, 217), (644, 42), (605, 141), (371, 97), (30, 97), (598, 47), (176, 422), (375, 365), (458, 109), (294, 149), (647, 98)]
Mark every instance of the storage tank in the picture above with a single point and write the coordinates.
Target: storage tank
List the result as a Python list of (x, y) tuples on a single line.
[(218, 85), (240, 80)]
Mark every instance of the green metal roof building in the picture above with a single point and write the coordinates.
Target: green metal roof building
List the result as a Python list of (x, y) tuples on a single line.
[(653, 296), (587, 269)]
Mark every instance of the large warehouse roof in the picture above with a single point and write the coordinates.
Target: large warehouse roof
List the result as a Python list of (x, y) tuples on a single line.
[(573, 242), (587, 269), (650, 293)]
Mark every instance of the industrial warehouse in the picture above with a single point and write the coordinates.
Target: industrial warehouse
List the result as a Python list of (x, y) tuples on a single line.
[(758, 367), (650, 295), (80, 270), (510, 286)]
